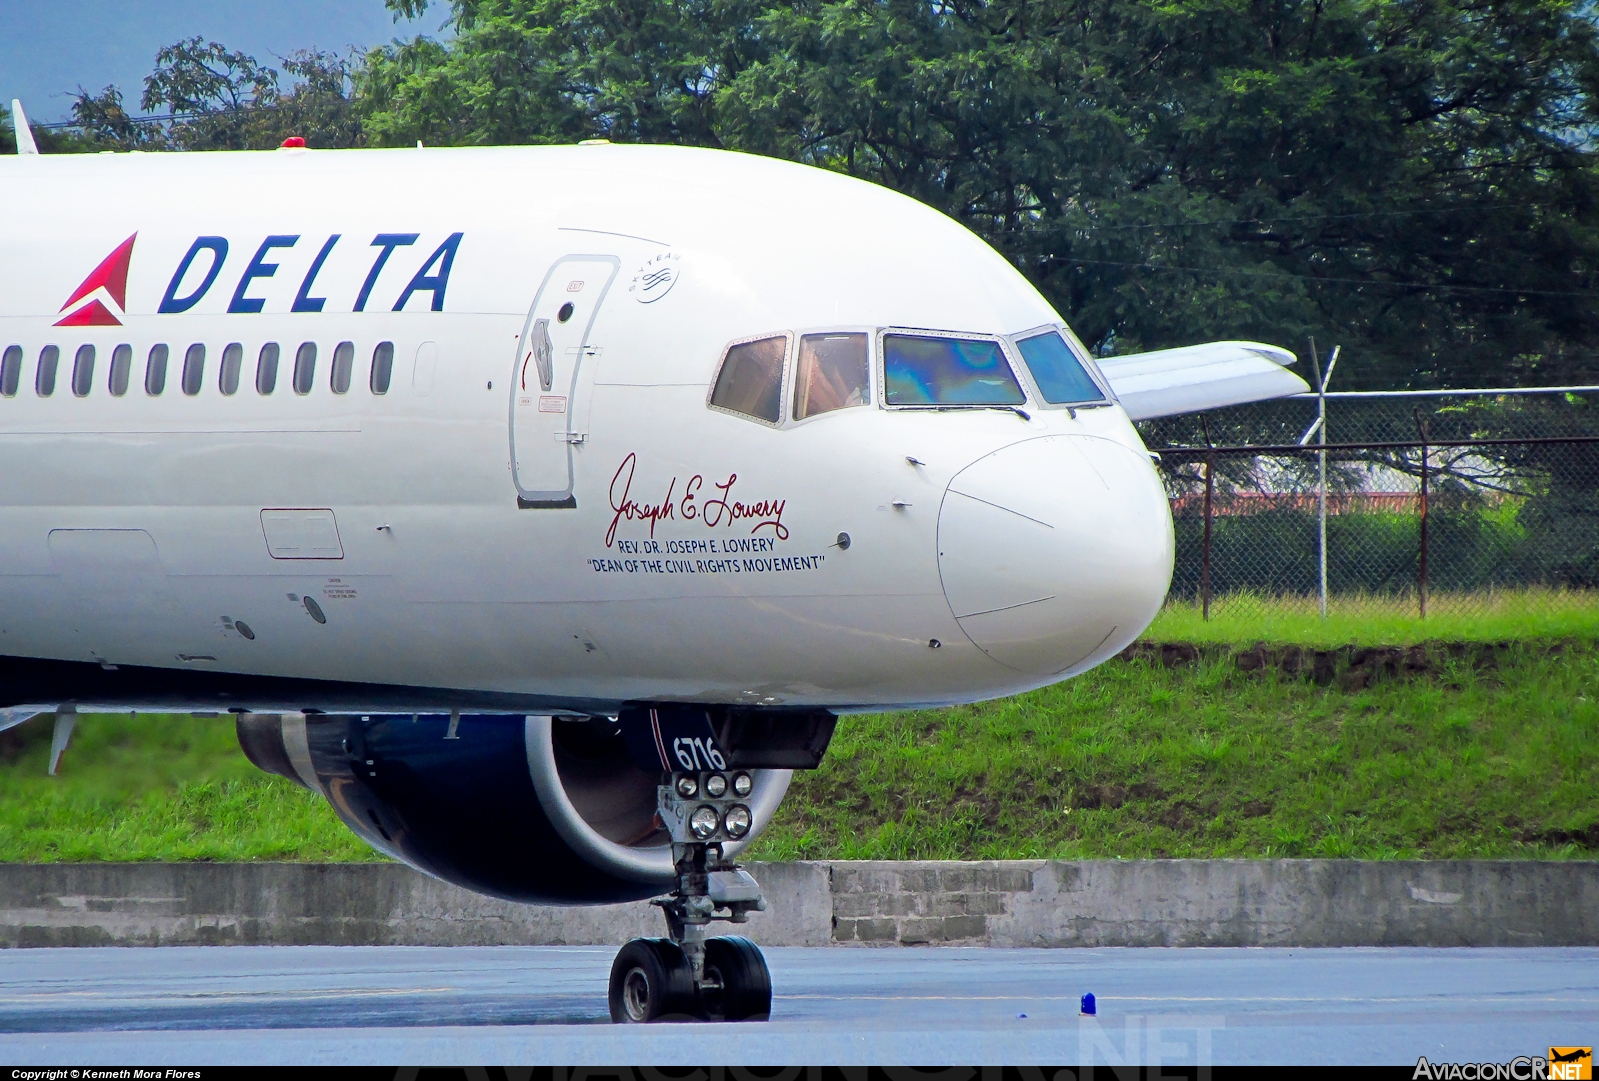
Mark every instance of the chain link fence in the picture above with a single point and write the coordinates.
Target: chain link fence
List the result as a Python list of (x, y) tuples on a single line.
[(1417, 504)]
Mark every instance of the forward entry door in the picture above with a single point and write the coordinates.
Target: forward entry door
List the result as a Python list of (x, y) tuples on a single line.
[(548, 379)]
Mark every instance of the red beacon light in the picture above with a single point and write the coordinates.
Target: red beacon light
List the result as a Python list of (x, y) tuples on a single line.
[(294, 142)]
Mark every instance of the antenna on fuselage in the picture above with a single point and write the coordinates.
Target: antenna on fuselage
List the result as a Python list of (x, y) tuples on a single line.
[(19, 120)]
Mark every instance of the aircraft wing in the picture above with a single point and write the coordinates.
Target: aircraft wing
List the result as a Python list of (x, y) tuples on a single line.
[(15, 715), (1199, 377)]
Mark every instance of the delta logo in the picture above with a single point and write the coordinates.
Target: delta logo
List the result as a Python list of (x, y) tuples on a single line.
[(101, 299)]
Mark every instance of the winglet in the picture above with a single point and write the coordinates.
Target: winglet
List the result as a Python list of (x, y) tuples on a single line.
[(19, 120)]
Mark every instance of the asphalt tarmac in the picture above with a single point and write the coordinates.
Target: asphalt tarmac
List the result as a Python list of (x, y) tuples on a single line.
[(184, 1006)]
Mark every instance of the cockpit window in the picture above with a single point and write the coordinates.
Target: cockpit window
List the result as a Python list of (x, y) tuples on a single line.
[(831, 373), (751, 379), (921, 370), (1060, 376)]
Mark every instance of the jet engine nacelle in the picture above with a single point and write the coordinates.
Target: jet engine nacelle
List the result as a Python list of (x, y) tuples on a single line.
[(534, 809)]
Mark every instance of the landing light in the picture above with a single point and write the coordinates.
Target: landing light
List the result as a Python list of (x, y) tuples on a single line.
[(736, 821), (687, 787), (743, 784), (702, 823), (715, 785)]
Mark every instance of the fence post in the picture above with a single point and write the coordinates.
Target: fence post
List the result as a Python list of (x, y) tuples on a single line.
[(1421, 577), (1210, 485), (1322, 379), (1321, 509)]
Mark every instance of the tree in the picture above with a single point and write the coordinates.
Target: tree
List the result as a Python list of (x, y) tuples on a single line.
[(214, 96), (103, 120), (559, 71), (206, 97), (1411, 178)]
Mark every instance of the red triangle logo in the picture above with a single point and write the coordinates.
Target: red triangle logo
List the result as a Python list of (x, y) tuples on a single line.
[(112, 275), (93, 314)]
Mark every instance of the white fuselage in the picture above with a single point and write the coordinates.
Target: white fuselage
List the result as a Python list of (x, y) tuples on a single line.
[(609, 538)]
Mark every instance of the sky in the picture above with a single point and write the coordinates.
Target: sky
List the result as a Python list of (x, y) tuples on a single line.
[(48, 48)]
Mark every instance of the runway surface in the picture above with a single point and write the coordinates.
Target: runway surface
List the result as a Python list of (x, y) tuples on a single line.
[(179, 1006)]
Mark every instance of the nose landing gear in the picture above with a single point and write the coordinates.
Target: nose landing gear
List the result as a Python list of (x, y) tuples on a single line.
[(688, 976)]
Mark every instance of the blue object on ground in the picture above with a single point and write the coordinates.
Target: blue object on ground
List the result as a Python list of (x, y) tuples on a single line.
[(1089, 1009)]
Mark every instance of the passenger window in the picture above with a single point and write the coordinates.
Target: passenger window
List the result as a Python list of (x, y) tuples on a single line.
[(382, 367), (121, 368), (305, 368), (1060, 376), (947, 371), (232, 362), (83, 371), (343, 365), (829, 374), (155, 370), (10, 370), (193, 369), (751, 380), (44, 380), (266, 369)]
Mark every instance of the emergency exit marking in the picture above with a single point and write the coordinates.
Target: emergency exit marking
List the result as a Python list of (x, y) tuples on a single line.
[(552, 403), (574, 287)]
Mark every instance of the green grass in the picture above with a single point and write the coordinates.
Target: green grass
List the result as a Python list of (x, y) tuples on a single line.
[(1129, 760), (157, 788), (1135, 760), (1506, 616)]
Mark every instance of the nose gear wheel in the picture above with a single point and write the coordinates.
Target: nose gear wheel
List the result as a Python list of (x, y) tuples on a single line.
[(651, 981), (744, 984)]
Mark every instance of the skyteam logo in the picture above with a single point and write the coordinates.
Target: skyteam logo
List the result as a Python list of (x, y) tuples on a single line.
[(101, 300)]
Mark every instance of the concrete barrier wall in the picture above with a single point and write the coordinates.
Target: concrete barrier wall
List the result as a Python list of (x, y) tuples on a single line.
[(1013, 903)]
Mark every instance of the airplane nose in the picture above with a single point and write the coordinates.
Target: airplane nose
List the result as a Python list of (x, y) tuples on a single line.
[(1055, 552)]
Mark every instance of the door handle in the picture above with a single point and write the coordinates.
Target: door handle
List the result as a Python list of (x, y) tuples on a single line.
[(544, 353)]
